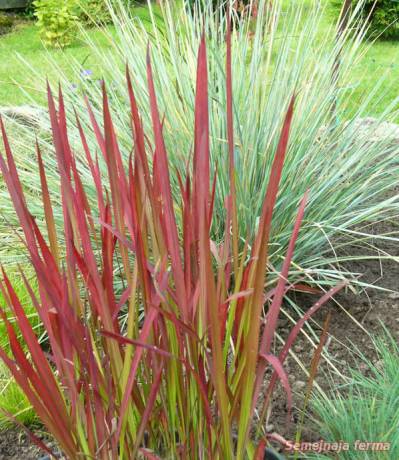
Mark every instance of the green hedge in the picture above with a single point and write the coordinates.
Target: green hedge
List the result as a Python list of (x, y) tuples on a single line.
[(382, 15)]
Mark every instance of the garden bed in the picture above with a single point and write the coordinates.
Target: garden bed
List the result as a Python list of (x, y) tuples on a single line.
[(16, 445), (368, 308)]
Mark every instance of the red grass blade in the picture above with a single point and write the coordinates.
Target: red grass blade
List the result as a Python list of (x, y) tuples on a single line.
[(295, 331), (283, 377), (94, 169), (137, 343), (274, 310), (48, 209), (256, 280), (162, 178), (201, 133), (145, 332)]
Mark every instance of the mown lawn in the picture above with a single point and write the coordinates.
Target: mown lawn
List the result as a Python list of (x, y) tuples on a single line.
[(24, 44), (382, 58), (378, 58)]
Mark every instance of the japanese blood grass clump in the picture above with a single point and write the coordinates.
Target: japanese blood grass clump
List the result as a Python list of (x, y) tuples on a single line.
[(274, 54), (182, 375)]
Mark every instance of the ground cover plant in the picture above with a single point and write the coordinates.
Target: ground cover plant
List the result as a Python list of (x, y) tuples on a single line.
[(6, 24), (365, 408), (274, 55), (182, 372), (25, 44)]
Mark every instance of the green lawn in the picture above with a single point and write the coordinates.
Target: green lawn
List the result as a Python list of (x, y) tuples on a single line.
[(25, 42), (381, 58)]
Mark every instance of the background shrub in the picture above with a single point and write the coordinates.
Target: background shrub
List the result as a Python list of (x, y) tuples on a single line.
[(6, 23), (29, 10), (57, 21), (240, 5), (382, 16), (94, 12)]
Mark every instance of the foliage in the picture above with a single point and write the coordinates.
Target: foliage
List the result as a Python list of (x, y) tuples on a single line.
[(175, 363), (381, 16), (284, 52), (94, 12), (6, 23), (57, 21), (217, 3), (97, 12), (29, 10), (17, 85), (240, 7), (367, 408)]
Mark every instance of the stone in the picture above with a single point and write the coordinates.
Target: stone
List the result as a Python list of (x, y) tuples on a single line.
[(368, 129), (363, 367), (298, 385), (24, 114), (376, 130)]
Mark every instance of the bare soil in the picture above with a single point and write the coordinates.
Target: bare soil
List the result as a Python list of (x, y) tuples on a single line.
[(16, 445), (369, 309)]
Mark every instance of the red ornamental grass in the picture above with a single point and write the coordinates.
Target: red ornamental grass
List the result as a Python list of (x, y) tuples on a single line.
[(172, 363)]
